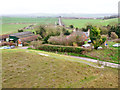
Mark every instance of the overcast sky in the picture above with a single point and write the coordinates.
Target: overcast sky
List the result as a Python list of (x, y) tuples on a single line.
[(58, 6)]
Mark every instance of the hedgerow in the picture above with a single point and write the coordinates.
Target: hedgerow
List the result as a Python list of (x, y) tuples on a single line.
[(58, 48)]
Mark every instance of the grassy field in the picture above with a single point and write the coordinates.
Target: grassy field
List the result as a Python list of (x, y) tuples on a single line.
[(28, 20), (80, 23), (12, 24), (28, 69), (11, 28), (109, 55)]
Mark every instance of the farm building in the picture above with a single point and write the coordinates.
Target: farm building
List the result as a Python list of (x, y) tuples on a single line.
[(4, 37), (23, 37)]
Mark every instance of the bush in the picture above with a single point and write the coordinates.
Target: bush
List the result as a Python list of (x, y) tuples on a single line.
[(20, 30), (71, 26), (104, 30), (76, 37), (59, 48), (117, 41), (114, 35), (36, 44), (6, 44), (25, 44)]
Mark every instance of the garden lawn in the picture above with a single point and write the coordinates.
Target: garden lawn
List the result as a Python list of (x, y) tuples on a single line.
[(28, 69)]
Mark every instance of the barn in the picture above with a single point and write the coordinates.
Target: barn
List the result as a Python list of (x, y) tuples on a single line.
[(23, 37), (4, 37)]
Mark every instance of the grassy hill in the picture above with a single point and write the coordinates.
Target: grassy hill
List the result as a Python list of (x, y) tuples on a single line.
[(28, 69), (80, 23)]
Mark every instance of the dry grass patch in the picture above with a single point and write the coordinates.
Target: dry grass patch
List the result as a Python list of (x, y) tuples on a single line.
[(23, 69)]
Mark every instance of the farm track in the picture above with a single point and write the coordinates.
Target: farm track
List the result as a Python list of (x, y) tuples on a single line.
[(102, 63), (113, 65)]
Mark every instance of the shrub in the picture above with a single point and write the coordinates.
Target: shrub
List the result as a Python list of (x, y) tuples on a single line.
[(59, 48), (36, 44), (104, 30), (6, 43), (20, 30), (117, 41), (76, 37), (71, 26), (25, 44), (114, 35), (66, 32)]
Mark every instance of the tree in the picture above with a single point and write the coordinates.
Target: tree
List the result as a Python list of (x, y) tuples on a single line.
[(86, 29), (96, 37), (114, 35), (41, 31), (115, 29), (71, 26), (66, 32)]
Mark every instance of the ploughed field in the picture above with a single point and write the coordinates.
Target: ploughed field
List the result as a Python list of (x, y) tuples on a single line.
[(28, 69)]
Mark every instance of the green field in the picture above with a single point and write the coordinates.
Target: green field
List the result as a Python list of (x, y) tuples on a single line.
[(28, 69), (12, 24), (28, 20), (11, 28), (80, 23)]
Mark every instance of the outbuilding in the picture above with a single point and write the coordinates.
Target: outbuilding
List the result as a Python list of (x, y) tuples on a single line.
[(23, 37)]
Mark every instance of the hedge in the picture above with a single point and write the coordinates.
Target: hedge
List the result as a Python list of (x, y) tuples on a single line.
[(58, 48)]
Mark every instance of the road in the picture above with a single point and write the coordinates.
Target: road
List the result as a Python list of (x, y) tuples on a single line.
[(59, 21)]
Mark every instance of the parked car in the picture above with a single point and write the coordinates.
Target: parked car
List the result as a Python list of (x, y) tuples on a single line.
[(100, 47), (5, 47), (86, 45), (12, 47), (116, 45)]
